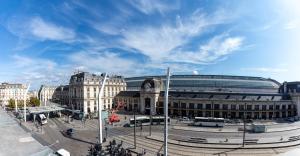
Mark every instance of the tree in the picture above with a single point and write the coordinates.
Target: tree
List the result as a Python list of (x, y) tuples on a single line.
[(11, 103), (34, 102)]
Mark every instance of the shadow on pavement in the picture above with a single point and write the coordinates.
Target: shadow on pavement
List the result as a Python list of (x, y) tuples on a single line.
[(225, 152)]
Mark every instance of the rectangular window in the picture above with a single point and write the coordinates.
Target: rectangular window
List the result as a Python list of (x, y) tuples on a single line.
[(241, 107), (277, 107), (233, 107), (271, 107), (249, 107), (256, 107), (199, 106), (191, 106), (183, 105), (225, 106), (216, 106), (264, 107), (283, 107), (175, 105), (208, 106)]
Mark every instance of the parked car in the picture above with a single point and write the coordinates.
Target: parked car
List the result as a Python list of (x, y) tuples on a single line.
[(70, 131)]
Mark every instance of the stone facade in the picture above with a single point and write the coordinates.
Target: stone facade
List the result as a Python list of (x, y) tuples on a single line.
[(12, 91), (235, 105), (45, 93), (84, 89)]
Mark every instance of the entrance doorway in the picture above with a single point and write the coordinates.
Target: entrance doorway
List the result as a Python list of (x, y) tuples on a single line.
[(147, 106)]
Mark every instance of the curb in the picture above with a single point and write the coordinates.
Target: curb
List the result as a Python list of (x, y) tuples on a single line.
[(285, 146), (234, 132)]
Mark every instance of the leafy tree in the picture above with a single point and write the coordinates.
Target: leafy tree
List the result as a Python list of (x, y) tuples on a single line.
[(11, 103), (34, 102)]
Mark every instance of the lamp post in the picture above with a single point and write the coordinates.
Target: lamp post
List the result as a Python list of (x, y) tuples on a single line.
[(100, 108), (25, 97), (16, 101), (166, 113), (134, 128)]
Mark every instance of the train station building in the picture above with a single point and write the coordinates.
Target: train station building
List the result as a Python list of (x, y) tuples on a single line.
[(213, 96)]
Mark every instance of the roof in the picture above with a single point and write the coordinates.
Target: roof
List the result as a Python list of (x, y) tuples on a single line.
[(129, 93), (63, 152)]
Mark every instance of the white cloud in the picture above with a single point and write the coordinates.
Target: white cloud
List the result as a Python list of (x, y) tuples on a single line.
[(266, 69), (216, 49), (151, 6), (103, 62), (38, 71), (291, 24), (37, 29), (158, 42), (49, 31)]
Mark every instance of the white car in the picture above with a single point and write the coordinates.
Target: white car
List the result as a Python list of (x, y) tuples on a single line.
[(62, 152)]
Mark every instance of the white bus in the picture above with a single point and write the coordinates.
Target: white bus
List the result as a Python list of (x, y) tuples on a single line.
[(209, 121), (41, 118), (145, 120)]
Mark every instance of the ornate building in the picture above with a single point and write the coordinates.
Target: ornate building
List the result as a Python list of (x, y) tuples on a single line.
[(213, 96), (84, 89), (12, 91), (46, 93)]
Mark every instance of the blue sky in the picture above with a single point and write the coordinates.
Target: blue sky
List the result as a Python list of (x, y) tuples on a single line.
[(44, 42)]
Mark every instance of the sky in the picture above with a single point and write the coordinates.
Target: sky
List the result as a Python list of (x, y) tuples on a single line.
[(44, 42)]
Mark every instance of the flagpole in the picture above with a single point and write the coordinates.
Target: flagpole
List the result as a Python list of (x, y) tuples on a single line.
[(166, 113)]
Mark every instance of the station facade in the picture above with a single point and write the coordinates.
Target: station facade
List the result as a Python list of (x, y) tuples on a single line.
[(224, 96)]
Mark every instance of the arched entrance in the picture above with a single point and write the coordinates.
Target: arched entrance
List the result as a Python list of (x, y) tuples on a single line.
[(147, 106)]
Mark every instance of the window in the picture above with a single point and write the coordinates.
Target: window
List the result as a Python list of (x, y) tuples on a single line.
[(183, 105), (283, 107), (216, 106), (191, 106), (277, 107), (264, 107), (271, 107), (249, 107), (241, 107), (233, 107), (289, 106), (199, 106), (208, 106), (175, 105), (225, 106), (256, 107)]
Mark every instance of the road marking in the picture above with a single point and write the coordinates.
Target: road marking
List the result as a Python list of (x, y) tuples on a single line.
[(26, 139)]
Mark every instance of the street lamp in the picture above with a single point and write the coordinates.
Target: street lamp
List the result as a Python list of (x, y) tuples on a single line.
[(100, 108), (16, 103), (166, 113), (25, 97)]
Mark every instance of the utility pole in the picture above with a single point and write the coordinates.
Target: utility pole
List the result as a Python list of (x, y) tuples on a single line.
[(166, 113), (244, 132), (25, 97), (134, 128), (16, 101), (150, 127), (100, 108)]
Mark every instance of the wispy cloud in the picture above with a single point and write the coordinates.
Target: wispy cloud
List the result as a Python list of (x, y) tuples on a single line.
[(36, 28), (104, 61), (266, 69), (49, 31), (158, 42), (291, 24), (216, 49), (152, 6)]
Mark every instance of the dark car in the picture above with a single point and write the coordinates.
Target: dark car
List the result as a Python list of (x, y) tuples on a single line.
[(70, 131)]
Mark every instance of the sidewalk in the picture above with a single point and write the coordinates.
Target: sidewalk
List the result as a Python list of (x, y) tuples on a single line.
[(229, 144), (16, 141), (232, 129)]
